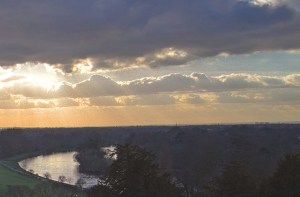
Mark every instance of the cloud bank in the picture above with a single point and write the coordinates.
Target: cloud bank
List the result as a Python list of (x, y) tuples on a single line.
[(124, 33), (44, 86)]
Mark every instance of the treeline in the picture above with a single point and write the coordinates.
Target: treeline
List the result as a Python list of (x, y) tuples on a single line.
[(270, 139), (192, 154), (43, 141), (135, 173), (197, 154), (92, 161), (236, 181)]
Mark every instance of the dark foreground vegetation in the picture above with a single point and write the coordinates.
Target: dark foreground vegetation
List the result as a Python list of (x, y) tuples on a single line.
[(42, 190), (134, 173), (190, 161)]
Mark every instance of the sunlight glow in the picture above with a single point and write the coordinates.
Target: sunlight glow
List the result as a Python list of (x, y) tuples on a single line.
[(265, 2), (44, 81), (83, 66), (38, 74), (171, 52)]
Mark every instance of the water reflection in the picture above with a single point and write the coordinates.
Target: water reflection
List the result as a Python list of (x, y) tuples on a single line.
[(58, 164)]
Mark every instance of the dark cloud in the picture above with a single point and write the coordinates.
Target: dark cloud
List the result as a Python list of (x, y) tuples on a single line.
[(249, 14), (122, 30)]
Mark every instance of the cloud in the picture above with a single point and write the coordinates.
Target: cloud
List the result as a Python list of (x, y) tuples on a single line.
[(293, 79), (103, 101), (278, 96), (174, 83), (189, 99), (171, 89), (10, 101), (252, 14), (4, 96), (118, 33), (29, 88), (98, 85), (20, 102), (11, 78)]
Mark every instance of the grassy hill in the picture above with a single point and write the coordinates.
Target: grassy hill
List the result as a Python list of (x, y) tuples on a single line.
[(10, 177)]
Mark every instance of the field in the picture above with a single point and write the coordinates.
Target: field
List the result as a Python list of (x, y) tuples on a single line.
[(12, 174), (10, 177)]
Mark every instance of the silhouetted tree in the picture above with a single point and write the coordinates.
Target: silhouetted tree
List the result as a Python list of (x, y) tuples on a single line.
[(134, 173), (92, 161), (234, 182), (286, 180), (80, 182), (101, 190)]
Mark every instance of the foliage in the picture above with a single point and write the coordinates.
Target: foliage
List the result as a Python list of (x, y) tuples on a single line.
[(42, 190), (134, 173), (80, 182), (92, 161), (192, 154), (285, 182), (101, 191), (234, 182)]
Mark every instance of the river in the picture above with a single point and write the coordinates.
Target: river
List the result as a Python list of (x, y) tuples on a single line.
[(56, 165)]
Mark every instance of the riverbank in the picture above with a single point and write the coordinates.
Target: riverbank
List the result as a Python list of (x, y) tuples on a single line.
[(61, 167), (11, 174)]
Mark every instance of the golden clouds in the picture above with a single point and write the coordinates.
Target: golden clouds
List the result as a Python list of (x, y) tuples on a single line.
[(45, 95), (46, 86)]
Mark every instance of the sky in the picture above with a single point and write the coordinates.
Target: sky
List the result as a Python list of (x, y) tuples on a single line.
[(77, 63)]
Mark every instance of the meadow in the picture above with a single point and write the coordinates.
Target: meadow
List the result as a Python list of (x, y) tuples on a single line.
[(9, 177)]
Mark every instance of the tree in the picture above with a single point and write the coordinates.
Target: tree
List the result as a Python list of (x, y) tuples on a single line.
[(134, 173), (285, 182), (80, 183), (62, 179), (234, 182), (101, 191), (47, 175), (92, 161)]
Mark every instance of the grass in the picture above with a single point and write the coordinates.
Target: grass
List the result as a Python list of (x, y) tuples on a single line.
[(11, 174), (21, 157), (10, 177)]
